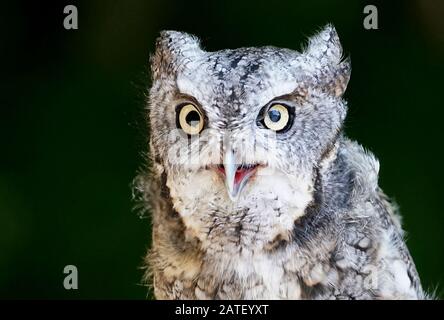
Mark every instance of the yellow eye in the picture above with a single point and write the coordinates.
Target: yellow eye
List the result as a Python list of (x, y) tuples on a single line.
[(190, 119), (277, 117)]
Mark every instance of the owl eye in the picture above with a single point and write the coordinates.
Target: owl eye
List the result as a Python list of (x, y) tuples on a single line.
[(277, 118), (190, 119)]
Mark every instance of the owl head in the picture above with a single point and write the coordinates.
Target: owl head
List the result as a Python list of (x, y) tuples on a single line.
[(241, 135)]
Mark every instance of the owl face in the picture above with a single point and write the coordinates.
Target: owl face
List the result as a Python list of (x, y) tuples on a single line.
[(241, 134)]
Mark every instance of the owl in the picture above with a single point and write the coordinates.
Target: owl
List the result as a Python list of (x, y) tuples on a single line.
[(254, 190)]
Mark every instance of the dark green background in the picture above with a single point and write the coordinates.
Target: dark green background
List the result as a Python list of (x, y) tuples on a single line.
[(72, 133)]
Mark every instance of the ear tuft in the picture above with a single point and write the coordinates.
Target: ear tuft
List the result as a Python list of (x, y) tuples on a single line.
[(332, 71), (172, 49), (325, 46), (341, 77)]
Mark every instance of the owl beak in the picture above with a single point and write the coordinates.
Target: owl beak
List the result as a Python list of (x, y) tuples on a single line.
[(236, 176), (230, 168)]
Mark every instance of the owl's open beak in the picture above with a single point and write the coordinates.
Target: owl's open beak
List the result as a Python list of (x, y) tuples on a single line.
[(236, 176)]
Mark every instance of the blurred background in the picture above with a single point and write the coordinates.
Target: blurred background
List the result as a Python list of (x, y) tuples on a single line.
[(72, 131)]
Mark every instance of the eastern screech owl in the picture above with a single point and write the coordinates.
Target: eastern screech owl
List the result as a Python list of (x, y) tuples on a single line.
[(254, 191)]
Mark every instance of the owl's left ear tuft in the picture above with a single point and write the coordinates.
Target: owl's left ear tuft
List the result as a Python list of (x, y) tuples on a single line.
[(341, 77), (325, 46), (173, 48), (333, 70)]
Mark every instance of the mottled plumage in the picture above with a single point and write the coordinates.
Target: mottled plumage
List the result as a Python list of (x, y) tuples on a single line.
[(240, 211)]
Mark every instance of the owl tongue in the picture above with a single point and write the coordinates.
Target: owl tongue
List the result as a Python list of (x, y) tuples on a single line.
[(240, 174), (236, 177)]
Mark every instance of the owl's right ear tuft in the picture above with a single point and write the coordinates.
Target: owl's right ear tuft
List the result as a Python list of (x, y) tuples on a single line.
[(173, 48)]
